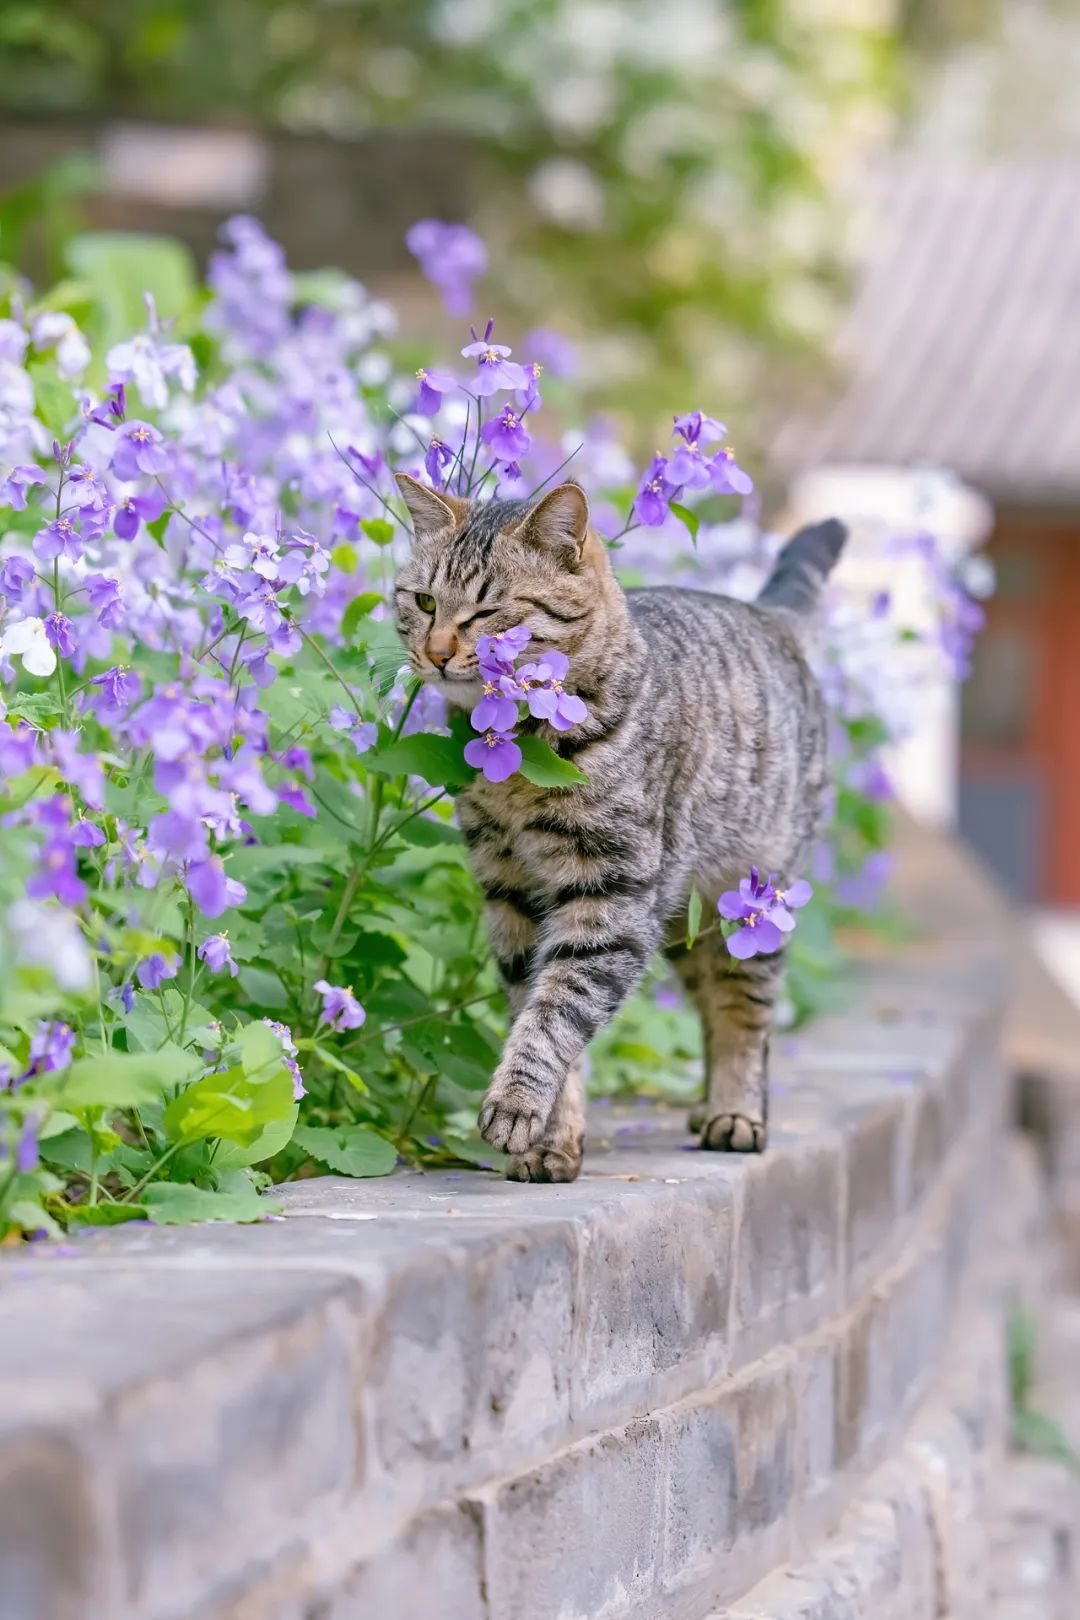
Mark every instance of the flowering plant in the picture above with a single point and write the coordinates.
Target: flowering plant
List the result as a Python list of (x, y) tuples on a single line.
[(238, 935)]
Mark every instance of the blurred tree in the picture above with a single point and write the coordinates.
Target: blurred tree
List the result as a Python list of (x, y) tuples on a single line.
[(672, 171)]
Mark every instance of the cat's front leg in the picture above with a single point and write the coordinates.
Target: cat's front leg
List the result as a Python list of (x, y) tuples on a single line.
[(592, 950)]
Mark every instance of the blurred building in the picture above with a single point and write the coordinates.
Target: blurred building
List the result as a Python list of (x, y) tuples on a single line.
[(962, 349)]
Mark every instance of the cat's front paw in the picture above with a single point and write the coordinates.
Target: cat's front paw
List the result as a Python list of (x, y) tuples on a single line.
[(513, 1115)]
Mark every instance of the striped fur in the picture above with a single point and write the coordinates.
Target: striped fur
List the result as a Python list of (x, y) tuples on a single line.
[(705, 754)]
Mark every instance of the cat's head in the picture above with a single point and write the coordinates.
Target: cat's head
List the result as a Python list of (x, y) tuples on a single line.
[(480, 567)]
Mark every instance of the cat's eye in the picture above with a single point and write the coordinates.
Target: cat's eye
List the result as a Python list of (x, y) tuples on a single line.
[(481, 613), (425, 602)]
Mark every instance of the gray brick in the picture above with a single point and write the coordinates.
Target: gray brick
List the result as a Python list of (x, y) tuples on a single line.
[(654, 1296), (788, 1271), (56, 1561), (583, 1536), (435, 1568)]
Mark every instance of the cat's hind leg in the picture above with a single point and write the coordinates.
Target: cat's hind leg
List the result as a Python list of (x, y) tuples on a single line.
[(735, 1002), (557, 1156)]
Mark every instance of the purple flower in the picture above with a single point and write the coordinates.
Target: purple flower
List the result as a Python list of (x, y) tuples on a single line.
[(103, 595), (694, 428), (340, 1009), (763, 913), (60, 633), (284, 1035), (210, 889), (84, 835), (154, 970), (654, 493), (432, 386), (437, 456), (136, 509), (50, 1049), (688, 468), (494, 370), (26, 1149), (553, 350), (505, 436), (292, 794), (61, 538), (497, 709), (111, 410), (183, 838), (862, 889), (363, 734), (57, 873), (545, 695), (138, 452), (450, 256), (119, 687), (217, 954), (500, 652), (495, 753), (13, 488), (16, 573), (727, 476)]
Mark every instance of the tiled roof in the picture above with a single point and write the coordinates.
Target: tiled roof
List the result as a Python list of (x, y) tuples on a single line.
[(962, 343)]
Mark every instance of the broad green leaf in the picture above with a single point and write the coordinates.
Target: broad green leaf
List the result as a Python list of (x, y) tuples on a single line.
[(260, 1049), (425, 832), (125, 1079), (693, 916), (542, 765), (231, 1104), (120, 266), (264, 989), (54, 400), (170, 1204), (691, 519), (378, 529), (438, 760), (358, 609), (270, 1140), (353, 1150), (106, 1214)]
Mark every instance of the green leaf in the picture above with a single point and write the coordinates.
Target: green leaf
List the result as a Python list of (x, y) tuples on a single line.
[(53, 399), (270, 1140), (425, 832), (378, 529), (260, 1049), (354, 1150), (120, 266), (106, 1214), (231, 1104), (126, 1079), (170, 1204), (542, 765), (157, 526), (438, 760), (693, 916), (358, 609), (691, 519)]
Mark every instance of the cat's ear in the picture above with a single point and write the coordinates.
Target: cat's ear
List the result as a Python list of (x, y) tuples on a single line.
[(430, 510), (559, 523)]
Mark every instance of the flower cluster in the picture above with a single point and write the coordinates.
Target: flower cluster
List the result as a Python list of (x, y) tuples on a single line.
[(700, 462), (761, 913), (539, 686)]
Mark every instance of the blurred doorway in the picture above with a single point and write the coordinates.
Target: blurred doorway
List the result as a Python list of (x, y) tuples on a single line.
[(1019, 802)]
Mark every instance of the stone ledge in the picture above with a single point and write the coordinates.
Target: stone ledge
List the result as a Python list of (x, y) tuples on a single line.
[(431, 1370)]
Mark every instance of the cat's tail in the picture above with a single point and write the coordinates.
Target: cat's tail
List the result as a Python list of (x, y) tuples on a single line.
[(803, 566)]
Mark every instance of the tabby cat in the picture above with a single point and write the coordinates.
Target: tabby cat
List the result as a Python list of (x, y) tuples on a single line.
[(704, 749)]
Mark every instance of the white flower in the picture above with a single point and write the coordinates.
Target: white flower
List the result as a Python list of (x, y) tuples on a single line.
[(27, 640), (56, 330), (149, 363), (47, 936)]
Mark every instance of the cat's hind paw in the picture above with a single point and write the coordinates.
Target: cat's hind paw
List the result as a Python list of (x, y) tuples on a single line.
[(733, 1133), (544, 1164)]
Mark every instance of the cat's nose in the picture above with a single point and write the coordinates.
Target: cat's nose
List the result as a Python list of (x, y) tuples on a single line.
[(441, 647)]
